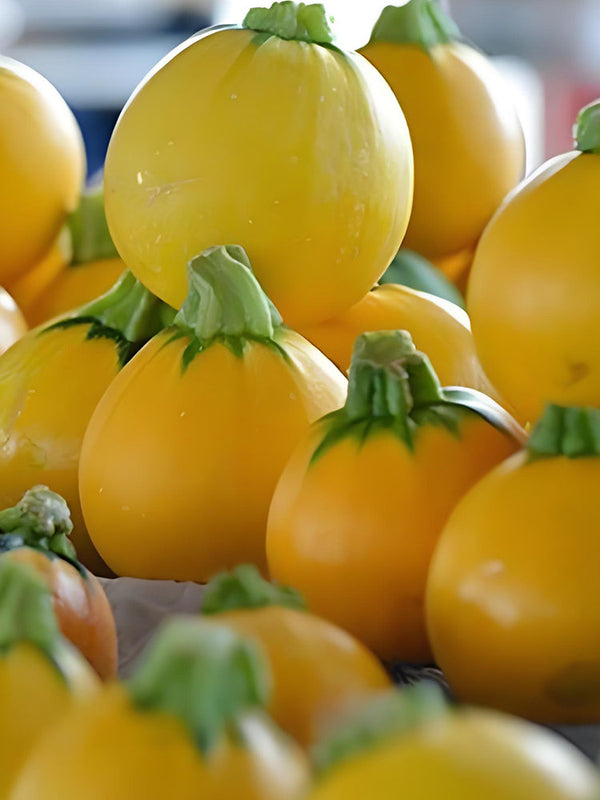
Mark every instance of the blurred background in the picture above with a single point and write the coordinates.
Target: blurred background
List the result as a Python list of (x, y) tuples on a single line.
[(96, 51)]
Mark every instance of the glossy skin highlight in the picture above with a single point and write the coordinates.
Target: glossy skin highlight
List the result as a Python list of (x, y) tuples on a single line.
[(355, 530), (534, 292), (42, 166), (513, 594), (468, 144), (12, 322), (178, 465), (297, 152)]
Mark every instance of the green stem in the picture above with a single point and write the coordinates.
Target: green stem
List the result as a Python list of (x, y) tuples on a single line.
[(41, 520), (26, 613), (587, 129), (389, 377), (288, 20), (225, 299), (130, 309), (244, 587), (571, 432), (388, 716), (204, 674), (420, 22), (90, 237)]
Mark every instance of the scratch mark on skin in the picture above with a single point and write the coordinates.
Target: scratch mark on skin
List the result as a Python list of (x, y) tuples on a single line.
[(154, 192)]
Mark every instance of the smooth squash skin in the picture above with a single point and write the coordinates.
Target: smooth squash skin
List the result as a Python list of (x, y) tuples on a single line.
[(292, 148), (533, 293), (50, 383), (12, 322), (41, 676), (42, 166), (466, 755), (181, 457), (358, 510), (318, 670), (439, 328), (513, 597), (467, 140), (126, 750)]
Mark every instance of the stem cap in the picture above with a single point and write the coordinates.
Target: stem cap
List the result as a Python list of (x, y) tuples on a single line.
[(41, 520), (288, 20), (571, 432), (587, 129), (244, 587), (418, 22), (203, 673)]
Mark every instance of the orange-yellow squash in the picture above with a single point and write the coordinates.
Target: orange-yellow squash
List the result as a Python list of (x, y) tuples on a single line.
[(41, 675), (36, 532), (181, 457), (318, 670), (363, 499), (51, 381), (42, 166), (402, 746), (468, 143), (534, 290), (439, 328), (12, 322), (188, 724), (269, 136), (81, 265), (513, 599)]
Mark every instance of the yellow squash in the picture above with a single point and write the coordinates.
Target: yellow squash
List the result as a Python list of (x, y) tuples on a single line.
[(439, 328), (534, 290), (364, 497), (188, 724), (42, 166), (269, 136), (467, 140), (81, 265), (406, 744), (318, 670), (182, 454), (41, 675), (513, 600), (51, 381)]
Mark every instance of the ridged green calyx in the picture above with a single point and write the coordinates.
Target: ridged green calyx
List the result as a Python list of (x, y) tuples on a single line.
[(204, 674), (422, 23), (571, 432), (387, 717), (40, 520), (244, 587), (128, 314), (393, 387), (226, 304), (90, 238), (304, 22), (587, 129), (26, 612)]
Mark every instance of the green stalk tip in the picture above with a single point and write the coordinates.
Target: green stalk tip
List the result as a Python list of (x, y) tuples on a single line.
[(571, 432), (88, 228), (26, 612), (288, 20), (389, 716), (419, 22), (587, 129), (244, 587), (41, 520), (204, 674), (225, 299)]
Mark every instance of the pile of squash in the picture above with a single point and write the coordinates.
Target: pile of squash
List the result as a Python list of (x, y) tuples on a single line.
[(233, 376)]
